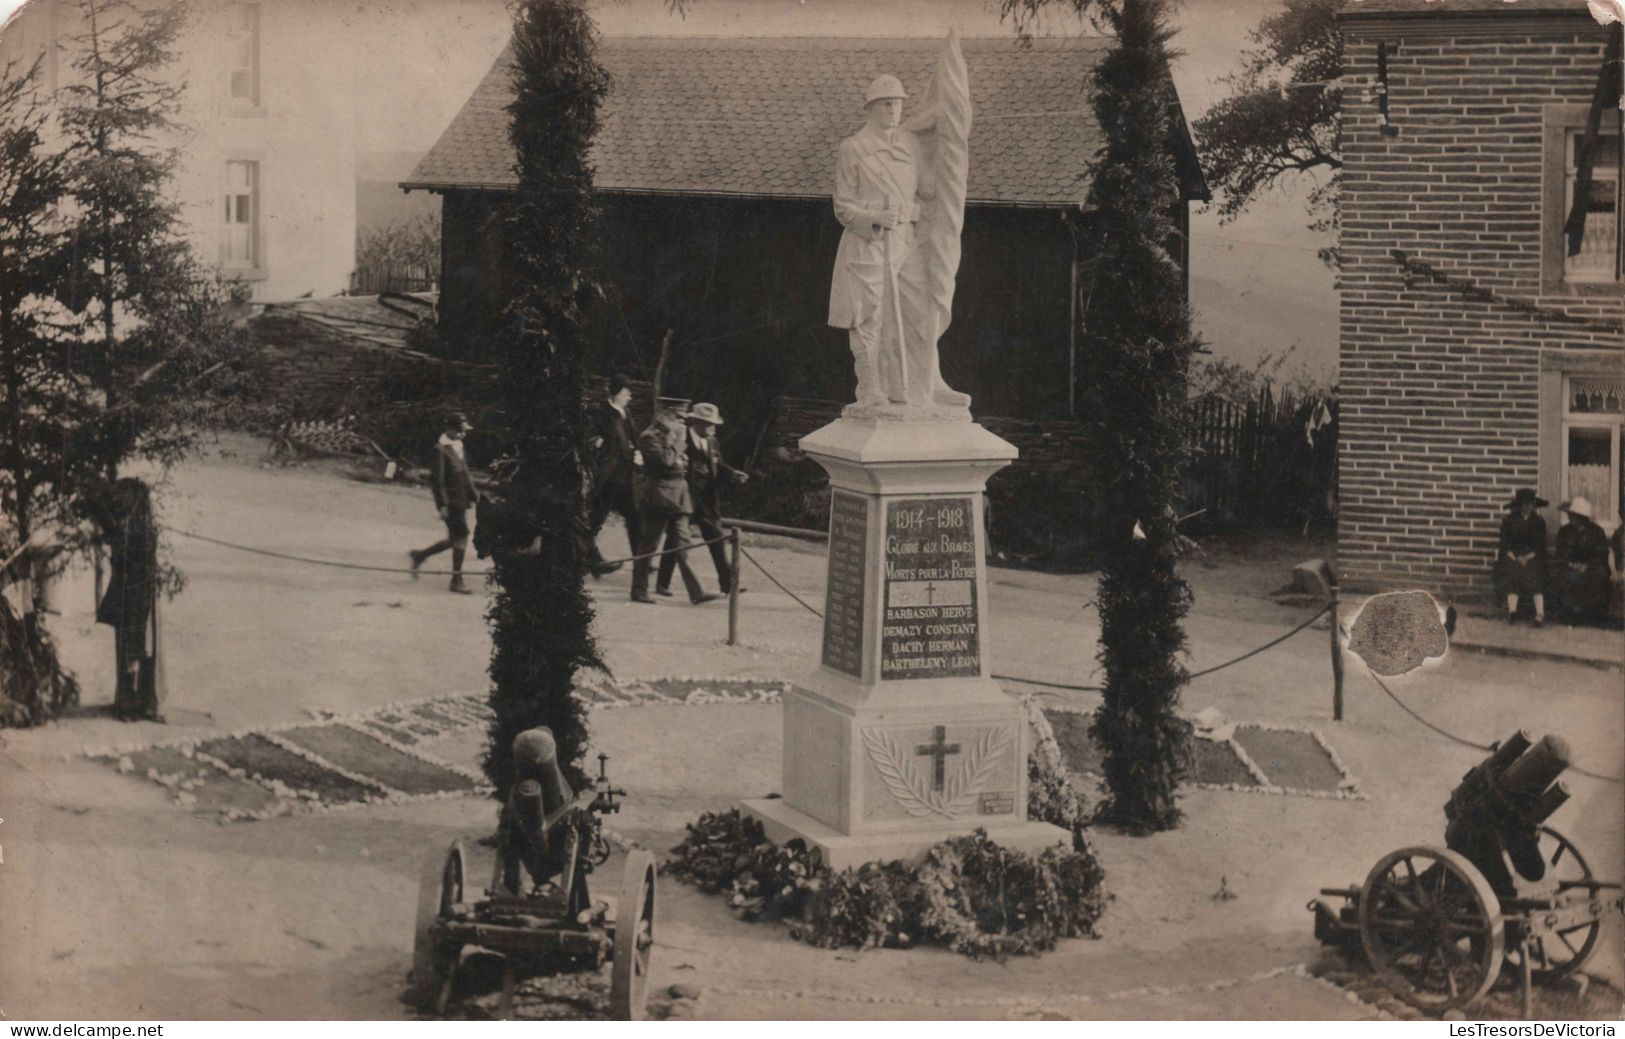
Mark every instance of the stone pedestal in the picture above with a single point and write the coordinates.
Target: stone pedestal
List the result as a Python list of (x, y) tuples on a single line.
[(899, 737)]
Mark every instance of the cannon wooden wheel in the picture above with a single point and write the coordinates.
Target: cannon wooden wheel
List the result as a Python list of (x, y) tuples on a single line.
[(634, 936), (439, 888), (1432, 928), (1562, 949)]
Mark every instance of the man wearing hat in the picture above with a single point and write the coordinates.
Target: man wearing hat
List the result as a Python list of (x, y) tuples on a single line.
[(901, 204), (877, 172), (1582, 566), (706, 471), (1520, 564), (454, 495), (664, 505)]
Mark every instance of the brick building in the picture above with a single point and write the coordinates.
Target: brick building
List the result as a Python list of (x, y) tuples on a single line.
[(1476, 356)]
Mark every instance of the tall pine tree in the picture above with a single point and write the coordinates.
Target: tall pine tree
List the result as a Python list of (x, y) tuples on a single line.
[(40, 405), (1139, 344), (157, 329), (540, 616)]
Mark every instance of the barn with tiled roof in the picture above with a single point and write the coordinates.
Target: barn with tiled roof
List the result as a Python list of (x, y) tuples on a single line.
[(715, 164)]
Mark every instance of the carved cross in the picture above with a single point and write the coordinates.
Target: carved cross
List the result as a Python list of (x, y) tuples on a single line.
[(930, 590), (938, 750)]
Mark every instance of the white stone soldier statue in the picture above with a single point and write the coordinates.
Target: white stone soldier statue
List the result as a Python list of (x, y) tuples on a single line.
[(900, 195)]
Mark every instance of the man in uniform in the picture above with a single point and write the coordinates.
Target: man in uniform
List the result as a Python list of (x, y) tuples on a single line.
[(706, 471), (885, 184), (454, 495), (664, 505)]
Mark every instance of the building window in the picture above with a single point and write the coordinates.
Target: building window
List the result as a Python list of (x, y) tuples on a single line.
[(243, 54), (1599, 255), (1593, 415), (239, 243)]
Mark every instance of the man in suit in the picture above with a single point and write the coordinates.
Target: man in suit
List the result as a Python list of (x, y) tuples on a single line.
[(615, 459), (664, 505), (706, 472), (454, 495)]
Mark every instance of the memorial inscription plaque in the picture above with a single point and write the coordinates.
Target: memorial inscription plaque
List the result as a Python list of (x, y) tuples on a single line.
[(932, 626), (843, 600)]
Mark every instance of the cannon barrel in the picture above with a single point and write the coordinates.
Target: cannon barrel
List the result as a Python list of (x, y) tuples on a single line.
[(1527, 778), (536, 757), (1508, 751)]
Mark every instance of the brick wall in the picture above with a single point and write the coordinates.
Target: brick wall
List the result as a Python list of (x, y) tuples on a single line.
[(1442, 393)]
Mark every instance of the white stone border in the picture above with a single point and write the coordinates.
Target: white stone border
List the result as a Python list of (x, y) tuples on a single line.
[(1348, 790)]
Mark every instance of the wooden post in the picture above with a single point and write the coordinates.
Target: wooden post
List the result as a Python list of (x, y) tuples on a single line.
[(1337, 658), (733, 585)]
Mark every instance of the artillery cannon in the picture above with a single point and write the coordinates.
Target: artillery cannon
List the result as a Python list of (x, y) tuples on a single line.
[(556, 837), (1439, 924)]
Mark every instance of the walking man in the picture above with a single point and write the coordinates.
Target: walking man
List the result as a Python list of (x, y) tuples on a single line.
[(614, 462), (706, 471), (664, 505), (454, 495)]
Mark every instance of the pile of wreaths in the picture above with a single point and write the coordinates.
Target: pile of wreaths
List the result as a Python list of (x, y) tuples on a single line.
[(968, 894)]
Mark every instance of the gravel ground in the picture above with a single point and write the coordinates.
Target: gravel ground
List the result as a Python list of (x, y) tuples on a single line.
[(118, 904)]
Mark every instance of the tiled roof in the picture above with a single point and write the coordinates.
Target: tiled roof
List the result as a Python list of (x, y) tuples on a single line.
[(1444, 8), (763, 117)]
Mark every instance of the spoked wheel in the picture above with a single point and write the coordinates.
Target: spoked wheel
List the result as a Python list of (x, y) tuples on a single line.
[(1563, 949), (634, 935), (439, 888), (1432, 928)]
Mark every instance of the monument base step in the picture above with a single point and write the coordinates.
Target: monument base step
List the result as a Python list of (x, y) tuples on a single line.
[(842, 850)]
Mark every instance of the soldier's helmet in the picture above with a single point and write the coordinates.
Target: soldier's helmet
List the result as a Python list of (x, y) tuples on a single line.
[(885, 87)]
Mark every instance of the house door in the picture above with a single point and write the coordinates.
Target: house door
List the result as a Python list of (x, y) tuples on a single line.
[(1593, 417)]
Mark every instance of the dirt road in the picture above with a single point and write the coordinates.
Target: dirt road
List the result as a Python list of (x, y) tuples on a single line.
[(116, 903)]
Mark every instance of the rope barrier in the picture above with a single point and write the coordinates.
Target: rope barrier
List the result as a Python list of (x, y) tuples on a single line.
[(1062, 685), (1267, 645), (404, 570), (1452, 737), (779, 584), (817, 613)]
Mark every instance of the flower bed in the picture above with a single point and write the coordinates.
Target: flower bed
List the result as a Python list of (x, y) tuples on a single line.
[(275, 766), (357, 752), (1292, 759)]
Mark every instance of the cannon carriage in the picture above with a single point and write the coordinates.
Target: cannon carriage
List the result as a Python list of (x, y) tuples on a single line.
[(553, 923), (1439, 925)]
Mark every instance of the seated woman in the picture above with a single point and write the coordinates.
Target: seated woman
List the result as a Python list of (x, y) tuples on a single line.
[(1582, 567), (1520, 563)]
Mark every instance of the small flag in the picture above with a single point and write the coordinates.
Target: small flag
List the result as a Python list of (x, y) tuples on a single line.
[(1139, 531), (1321, 418)]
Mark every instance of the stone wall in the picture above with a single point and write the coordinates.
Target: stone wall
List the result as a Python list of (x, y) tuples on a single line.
[(1451, 374)]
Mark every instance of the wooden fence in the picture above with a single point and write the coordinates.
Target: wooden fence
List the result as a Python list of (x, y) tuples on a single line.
[(372, 278), (1271, 460)]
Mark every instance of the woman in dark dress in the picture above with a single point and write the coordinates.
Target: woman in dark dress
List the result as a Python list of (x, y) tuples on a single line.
[(124, 515), (1582, 566), (1520, 563)]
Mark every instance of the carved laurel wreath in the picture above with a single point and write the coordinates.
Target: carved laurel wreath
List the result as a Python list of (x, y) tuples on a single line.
[(914, 793)]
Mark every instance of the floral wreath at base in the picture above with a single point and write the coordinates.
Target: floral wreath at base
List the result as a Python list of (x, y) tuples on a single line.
[(968, 894)]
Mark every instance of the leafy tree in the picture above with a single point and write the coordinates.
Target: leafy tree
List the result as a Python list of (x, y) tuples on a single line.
[(1282, 118), (540, 617), (39, 405)]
